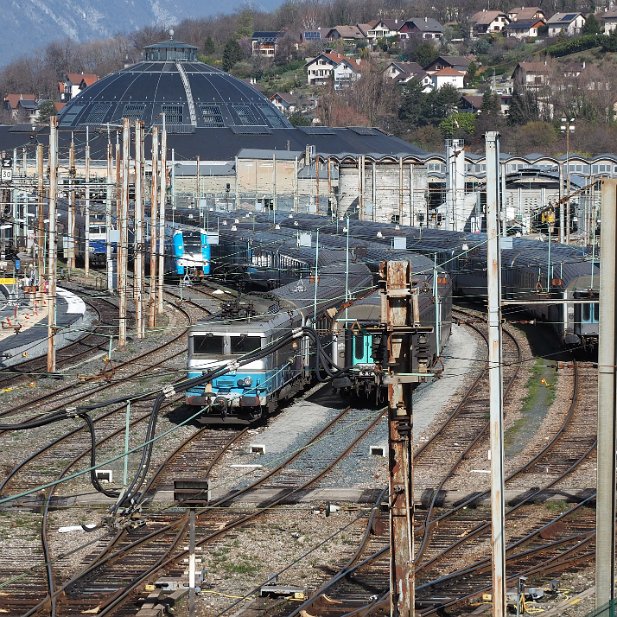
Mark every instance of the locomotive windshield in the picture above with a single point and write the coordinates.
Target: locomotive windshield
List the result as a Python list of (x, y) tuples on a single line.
[(207, 344), (244, 343)]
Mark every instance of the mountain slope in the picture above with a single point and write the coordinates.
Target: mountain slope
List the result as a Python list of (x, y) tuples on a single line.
[(31, 24)]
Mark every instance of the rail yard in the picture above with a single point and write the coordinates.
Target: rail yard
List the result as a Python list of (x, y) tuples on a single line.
[(295, 515)]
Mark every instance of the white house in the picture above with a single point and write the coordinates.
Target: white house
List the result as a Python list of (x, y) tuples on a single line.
[(488, 22), (523, 29), (402, 72), (565, 23), (332, 66), (609, 19), (448, 76)]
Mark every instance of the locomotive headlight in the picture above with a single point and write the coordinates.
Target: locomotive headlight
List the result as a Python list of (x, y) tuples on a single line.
[(245, 383)]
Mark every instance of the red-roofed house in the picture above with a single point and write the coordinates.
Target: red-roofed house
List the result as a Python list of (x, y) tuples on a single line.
[(332, 66), (21, 104), (74, 83), (447, 76)]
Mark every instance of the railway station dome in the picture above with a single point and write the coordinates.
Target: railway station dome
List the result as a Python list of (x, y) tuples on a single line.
[(170, 81)]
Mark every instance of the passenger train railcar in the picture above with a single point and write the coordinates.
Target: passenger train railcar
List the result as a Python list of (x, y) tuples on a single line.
[(255, 390), (563, 292), (533, 272)]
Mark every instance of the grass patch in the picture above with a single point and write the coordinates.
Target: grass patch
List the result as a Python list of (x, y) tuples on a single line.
[(557, 507), (542, 378), (241, 567)]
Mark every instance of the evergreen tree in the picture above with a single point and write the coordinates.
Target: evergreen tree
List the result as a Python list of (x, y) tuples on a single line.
[(591, 25), (232, 53), (209, 47), (413, 110), (523, 107)]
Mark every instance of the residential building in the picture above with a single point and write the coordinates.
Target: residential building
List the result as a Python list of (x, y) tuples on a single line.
[(523, 29), (460, 63), (311, 36), (402, 72), (609, 20), (348, 34), (488, 22), (287, 102), (565, 23), (447, 76), (531, 75), (423, 27), (524, 13), (265, 43), (332, 66), (21, 106), (74, 83), (381, 29)]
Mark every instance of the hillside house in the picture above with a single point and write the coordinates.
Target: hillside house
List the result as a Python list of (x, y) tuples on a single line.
[(265, 43), (531, 75), (422, 27), (568, 24), (525, 13), (74, 83), (347, 34), (381, 29), (460, 63), (311, 36), (332, 66), (447, 77), (287, 102), (609, 20), (488, 22), (402, 72), (22, 106), (523, 29)]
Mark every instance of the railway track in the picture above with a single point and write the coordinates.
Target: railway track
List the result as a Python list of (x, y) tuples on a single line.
[(281, 483), (544, 543)]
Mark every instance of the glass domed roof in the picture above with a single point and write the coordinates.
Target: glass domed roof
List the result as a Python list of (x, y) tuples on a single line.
[(171, 82)]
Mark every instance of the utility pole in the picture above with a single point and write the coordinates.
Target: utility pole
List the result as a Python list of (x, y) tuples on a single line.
[(400, 316), (495, 375), (87, 213), (108, 192), (153, 225), (139, 231), (605, 498), (51, 250), (163, 193), (123, 244), (40, 231), (70, 232)]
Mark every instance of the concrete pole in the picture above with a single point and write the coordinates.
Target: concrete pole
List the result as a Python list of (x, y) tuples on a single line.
[(87, 206), (192, 562), (40, 231), (108, 199), (396, 313), (163, 195), (139, 232), (605, 499), (70, 232), (317, 189), (52, 248), (495, 375), (198, 185), (123, 224), (154, 209)]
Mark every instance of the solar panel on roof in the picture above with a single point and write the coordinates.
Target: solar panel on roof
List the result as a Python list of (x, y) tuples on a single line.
[(312, 36), (317, 130), (251, 130), (568, 17), (364, 130)]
